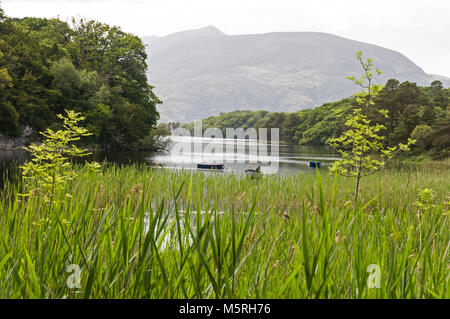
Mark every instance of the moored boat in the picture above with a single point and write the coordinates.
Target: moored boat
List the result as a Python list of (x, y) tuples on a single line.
[(314, 164), (211, 166)]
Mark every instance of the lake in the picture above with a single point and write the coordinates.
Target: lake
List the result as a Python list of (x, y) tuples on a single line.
[(186, 152)]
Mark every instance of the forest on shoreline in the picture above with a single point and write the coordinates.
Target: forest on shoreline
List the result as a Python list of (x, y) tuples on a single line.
[(47, 66), (422, 113)]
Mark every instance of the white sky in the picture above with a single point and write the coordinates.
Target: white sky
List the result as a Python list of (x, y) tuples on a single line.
[(420, 29)]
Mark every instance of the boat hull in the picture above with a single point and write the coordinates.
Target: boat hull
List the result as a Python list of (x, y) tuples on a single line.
[(314, 164), (211, 166)]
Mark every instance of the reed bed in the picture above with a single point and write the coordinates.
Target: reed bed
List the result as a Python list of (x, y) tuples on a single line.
[(140, 232)]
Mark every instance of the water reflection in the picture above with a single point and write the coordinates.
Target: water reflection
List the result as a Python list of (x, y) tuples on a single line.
[(239, 155), (10, 161), (236, 154)]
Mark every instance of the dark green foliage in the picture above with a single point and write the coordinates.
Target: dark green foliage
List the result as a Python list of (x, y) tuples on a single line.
[(438, 95), (9, 119), (324, 122), (418, 110), (440, 137), (307, 127), (422, 134), (91, 68), (409, 107)]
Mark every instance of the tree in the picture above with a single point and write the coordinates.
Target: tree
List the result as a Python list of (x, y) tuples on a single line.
[(359, 145), (369, 90), (5, 79), (50, 168), (428, 115), (438, 95), (440, 136), (405, 103), (100, 71), (9, 119), (28, 65), (65, 77), (422, 135), (119, 59)]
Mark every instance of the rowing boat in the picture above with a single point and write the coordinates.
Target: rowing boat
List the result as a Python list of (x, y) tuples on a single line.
[(211, 166)]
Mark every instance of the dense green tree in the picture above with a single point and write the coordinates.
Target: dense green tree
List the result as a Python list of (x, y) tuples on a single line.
[(439, 96), (47, 66), (31, 93), (397, 99), (9, 119), (120, 62), (65, 77), (428, 114), (440, 135), (421, 134)]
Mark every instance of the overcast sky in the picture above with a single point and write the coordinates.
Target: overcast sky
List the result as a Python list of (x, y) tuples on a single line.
[(420, 29)]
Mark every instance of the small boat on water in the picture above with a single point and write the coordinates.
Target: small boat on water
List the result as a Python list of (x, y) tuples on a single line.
[(253, 172), (211, 166), (314, 164)]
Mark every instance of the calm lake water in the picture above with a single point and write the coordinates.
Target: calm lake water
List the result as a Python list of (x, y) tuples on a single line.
[(186, 152)]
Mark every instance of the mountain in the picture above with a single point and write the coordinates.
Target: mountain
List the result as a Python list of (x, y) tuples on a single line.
[(204, 72)]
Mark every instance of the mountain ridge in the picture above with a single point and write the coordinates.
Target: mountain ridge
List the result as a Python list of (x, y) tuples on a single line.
[(203, 72)]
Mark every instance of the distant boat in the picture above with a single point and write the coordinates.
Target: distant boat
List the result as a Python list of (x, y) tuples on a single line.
[(314, 164), (253, 172), (211, 166)]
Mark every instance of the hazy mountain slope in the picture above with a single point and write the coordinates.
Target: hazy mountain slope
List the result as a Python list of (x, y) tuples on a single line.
[(204, 72)]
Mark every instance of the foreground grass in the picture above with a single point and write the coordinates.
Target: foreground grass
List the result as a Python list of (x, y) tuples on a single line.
[(137, 232)]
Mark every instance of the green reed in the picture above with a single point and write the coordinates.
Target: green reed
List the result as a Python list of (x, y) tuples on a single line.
[(139, 232)]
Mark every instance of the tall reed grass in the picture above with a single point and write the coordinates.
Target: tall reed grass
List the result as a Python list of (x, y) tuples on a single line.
[(138, 232)]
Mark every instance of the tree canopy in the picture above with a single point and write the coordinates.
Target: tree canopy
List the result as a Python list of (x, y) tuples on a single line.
[(47, 66)]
